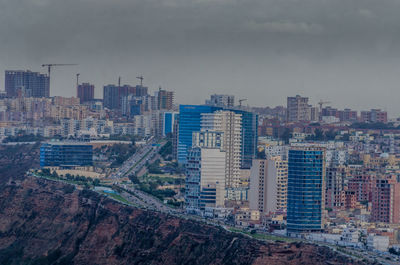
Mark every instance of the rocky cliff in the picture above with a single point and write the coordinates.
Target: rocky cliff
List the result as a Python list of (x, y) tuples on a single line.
[(45, 222)]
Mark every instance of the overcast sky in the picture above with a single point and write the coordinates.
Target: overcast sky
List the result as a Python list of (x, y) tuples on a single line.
[(344, 51)]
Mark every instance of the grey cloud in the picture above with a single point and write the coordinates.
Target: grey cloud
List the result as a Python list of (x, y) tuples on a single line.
[(284, 27), (261, 49)]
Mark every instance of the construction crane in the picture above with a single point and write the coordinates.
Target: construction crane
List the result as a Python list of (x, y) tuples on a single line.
[(50, 65), (141, 80), (322, 103), (241, 100), (77, 80)]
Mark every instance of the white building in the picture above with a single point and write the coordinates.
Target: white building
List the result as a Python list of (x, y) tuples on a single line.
[(230, 124), (380, 243), (205, 179), (221, 100), (277, 150)]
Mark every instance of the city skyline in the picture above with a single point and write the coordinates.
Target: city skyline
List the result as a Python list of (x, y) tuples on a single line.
[(261, 50)]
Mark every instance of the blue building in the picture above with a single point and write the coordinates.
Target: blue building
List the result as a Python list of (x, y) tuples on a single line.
[(168, 122), (249, 136), (189, 122), (65, 154), (305, 194)]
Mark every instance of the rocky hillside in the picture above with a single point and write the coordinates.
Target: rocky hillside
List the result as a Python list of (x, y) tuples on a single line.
[(45, 222), (15, 160)]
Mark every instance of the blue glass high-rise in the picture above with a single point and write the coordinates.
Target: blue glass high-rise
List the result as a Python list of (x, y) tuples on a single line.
[(305, 194), (249, 136), (189, 122)]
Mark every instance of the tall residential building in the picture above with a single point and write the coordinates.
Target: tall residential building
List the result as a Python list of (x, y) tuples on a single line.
[(336, 186), (189, 122), (85, 92), (26, 83), (205, 179), (165, 99), (65, 154), (305, 200), (268, 185), (113, 95), (221, 101), (386, 200), (249, 137), (111, 99), (230, 124), (298, 109)]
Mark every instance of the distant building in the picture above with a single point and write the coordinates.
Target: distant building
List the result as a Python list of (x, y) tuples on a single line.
[(111, 99), (165, 99), (85, 92), (305, 200), (298, 109), (65, 154), (113, 95), (373, 116), (27, 84), (346, 115), (221, 101)]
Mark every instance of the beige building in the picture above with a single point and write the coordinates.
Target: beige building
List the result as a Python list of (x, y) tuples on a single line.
[(230, 124), (298, 109), (268, 185)]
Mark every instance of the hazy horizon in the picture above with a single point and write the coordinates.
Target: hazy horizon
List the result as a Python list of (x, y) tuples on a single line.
[(341, 51)]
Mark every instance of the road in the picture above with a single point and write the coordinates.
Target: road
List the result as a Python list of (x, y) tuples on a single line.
[(138, 160), (135, 164)]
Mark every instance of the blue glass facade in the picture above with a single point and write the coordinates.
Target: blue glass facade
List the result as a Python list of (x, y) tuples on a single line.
[(59, 154), (305, 190), (189, 122), (169, 119), (249, 137), (190, 119)]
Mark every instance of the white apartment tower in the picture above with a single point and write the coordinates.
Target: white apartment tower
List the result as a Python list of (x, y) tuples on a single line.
[(230, 124)]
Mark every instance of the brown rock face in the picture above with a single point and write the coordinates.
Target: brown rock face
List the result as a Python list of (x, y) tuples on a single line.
[(45, 222)]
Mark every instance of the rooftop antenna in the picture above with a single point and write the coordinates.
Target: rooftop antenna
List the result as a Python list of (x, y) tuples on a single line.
[(119, 81)]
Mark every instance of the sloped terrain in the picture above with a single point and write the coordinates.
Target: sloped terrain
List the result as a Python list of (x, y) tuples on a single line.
[(45, 222)]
